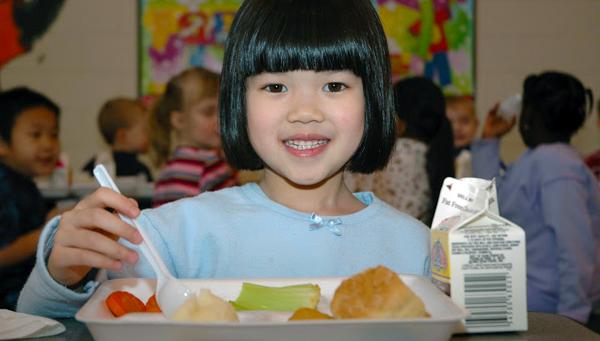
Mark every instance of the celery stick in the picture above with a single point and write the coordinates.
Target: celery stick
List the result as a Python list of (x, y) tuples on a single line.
[(287, 298)]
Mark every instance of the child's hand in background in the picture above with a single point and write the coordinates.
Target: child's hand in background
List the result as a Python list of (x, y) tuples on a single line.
[(87, 237), (496, 126)]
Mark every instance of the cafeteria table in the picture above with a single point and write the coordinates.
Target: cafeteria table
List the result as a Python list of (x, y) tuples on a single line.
[(542, 327), (67, 197)]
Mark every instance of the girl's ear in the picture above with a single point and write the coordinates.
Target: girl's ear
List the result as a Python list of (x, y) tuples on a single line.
[(400, 127), (177, 120), (3, 148)]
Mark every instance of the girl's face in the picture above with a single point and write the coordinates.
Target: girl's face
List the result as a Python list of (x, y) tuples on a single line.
[(198, 125), (34, 147), (136, 137), (464, 124), (305, 125)]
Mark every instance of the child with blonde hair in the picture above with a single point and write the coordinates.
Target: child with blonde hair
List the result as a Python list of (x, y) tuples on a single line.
[(186, 141), (461, 113)]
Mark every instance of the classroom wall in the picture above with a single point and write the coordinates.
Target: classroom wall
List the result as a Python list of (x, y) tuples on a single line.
[(89, 54)]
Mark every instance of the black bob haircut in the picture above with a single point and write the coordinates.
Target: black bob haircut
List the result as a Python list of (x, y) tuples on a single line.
[(16, 100), (288, 35), (560, 99)]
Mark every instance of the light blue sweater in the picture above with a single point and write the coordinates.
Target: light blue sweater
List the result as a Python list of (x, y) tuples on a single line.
[(240, 233)]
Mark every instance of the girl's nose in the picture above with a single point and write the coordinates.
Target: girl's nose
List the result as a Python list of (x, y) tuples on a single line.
[(305, 108)]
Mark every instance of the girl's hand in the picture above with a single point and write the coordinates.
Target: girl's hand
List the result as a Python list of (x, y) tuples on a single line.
[(496, 126), (87, 237)]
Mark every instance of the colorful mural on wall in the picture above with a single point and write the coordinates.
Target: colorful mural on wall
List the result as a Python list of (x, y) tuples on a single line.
[(430, 37)]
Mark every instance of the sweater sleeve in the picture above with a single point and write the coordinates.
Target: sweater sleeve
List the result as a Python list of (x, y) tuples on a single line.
[(42, 295), (566, 213), (485, 158)]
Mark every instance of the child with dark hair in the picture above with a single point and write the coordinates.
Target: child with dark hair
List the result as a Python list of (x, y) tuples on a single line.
[(29, 147), (550, 193), (422, 157), (123, 125), (305, 94)]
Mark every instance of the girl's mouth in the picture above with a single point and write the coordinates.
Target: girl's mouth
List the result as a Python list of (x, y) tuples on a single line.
[(305, 144)]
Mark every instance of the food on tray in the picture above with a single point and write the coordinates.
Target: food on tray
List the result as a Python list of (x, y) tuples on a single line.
[(206, 307), (152, 305), (376, 293), (286, 298), (309, 314), (121, 302)]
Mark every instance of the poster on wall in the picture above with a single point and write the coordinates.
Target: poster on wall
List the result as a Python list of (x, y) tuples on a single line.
[(425, 37), (432, 38)]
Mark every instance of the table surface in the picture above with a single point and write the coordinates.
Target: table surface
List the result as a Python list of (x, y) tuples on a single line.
[(542, 327)]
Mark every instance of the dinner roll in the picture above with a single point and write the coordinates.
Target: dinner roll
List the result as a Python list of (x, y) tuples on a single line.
[(376, 293)]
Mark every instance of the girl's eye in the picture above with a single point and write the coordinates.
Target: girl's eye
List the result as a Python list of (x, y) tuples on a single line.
[(275, 88), (334, 87)]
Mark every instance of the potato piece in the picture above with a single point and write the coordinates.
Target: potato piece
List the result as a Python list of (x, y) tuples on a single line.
[(206, 307)]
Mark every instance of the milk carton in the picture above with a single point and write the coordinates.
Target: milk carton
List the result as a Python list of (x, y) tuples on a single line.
[(478, 257)]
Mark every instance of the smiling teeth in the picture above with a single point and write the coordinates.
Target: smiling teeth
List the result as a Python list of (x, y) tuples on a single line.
[(303, 144)]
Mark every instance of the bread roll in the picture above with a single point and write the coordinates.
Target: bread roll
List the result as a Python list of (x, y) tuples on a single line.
[(376, 293)]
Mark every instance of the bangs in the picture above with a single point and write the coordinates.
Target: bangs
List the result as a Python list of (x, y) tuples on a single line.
[(316, 35), (306, 38)]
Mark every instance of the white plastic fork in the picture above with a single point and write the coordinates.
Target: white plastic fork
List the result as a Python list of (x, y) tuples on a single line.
[(171, 293)]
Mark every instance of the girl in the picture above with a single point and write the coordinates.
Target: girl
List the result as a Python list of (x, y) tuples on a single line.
[(305, 94), (422, 156), (187, 113), (550, 193), (460, 110)]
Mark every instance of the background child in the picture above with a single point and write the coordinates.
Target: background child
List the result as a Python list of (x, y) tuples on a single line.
[(422, 157), (550, 193), (305, 94), (29, 147), (593, 160), (461, 113), (187, 117), (123, 125)]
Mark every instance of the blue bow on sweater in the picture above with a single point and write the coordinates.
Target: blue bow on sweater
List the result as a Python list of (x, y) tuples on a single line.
[(332, 225)]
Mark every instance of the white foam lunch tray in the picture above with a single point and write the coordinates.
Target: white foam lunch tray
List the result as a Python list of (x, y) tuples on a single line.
[(445, 316)]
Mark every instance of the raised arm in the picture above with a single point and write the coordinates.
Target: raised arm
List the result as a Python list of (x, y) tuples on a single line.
[(486, 161), (70, 246)]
